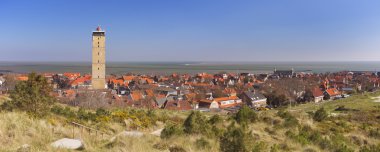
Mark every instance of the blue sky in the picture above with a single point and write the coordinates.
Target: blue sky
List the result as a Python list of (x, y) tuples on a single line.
[(192, 30)]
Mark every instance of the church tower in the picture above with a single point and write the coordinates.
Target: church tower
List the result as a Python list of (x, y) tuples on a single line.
[(98, 59)]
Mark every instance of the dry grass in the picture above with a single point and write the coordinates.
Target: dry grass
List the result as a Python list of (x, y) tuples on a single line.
[(16, 129)]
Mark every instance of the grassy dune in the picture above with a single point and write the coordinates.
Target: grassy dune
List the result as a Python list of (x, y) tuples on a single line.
[(356, 126)]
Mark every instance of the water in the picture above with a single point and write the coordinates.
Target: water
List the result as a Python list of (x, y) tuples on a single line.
[(188, 67)]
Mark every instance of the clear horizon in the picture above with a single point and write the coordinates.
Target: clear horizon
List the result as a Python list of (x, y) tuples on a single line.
[(192, 31)]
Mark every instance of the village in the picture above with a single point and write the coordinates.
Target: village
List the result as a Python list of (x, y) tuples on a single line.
[(221, 92)]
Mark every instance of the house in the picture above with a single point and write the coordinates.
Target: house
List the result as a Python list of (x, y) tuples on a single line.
[(225, 102), (254, 99), (230, 91), (219, 103), (332, 93), (166, 90), (207, 104), (317, 95), (177, 105), (81, 82), (22, 78), (71, 76)]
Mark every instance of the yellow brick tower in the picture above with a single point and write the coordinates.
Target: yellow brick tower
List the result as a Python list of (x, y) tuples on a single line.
[(98, 59)]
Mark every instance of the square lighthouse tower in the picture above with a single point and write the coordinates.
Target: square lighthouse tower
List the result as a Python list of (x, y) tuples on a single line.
[(98, 59)]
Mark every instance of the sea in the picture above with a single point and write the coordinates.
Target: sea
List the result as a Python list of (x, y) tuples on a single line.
[(188, 67)]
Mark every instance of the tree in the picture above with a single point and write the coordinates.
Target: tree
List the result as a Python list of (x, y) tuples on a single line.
[(235, 139), (320, 115), (196, 123), (245, 115), (32, 96)]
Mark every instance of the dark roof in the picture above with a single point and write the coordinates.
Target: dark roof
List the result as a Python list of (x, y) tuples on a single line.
[(177, 105), (283, 72), (254, 95)]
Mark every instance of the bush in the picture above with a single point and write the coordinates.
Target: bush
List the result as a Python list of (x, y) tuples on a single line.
[(32, 96), (66, 112), (283, 114), (245, 115), (215, 119), (171, 130), (305, 136), (235, 139), (320, 115), (291, 122), (196, 123)]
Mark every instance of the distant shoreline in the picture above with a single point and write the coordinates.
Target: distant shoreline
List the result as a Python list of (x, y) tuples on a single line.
[(189, 67)]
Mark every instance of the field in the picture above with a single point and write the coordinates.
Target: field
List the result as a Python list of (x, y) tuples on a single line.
[(352, 124)]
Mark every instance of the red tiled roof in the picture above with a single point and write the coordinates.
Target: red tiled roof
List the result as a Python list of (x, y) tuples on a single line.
[(226, 98), (22, 78), (136, 95), (317, 92), (333, 91), (128, 77), (117, 81)]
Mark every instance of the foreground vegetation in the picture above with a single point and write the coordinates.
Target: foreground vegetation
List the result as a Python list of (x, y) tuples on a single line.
[(350, 124)]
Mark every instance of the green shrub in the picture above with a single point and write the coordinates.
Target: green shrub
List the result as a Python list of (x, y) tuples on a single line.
[(215, 119), (66, 112), (320, 115), (305, 136), (245, 115), (102, 112), (171, 130), (196, 123), (235, 139), (32, 96), (291, 122), (283, 114)]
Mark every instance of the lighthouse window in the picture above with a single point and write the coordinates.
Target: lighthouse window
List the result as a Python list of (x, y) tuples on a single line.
[(98, 61), (98, 76), (98, 68), (98, 53)]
